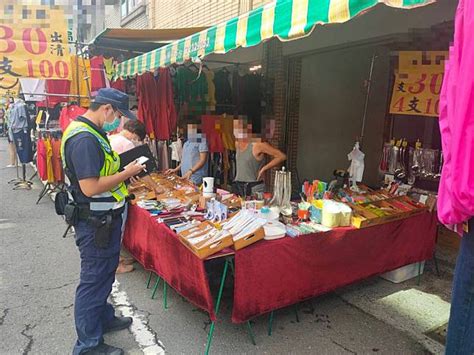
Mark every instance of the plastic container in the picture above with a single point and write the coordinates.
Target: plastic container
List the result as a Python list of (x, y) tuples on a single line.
[(331, 214), (404, 273)]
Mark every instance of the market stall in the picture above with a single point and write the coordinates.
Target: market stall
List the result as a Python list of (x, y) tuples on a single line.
[(313, 254), (302, 240)]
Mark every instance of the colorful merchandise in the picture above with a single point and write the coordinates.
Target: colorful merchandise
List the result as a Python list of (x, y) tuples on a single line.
[(69, 114), (80, 70)]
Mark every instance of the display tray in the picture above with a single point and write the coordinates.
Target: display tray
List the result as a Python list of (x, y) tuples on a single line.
[(251, 238), (205, 248), (389, 210)]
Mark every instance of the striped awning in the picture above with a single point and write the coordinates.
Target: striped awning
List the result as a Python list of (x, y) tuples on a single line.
[(285, 19)]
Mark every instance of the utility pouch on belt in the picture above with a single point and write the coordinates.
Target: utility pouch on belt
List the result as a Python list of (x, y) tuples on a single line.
[(104, 229), (60, 202), (71, 214)]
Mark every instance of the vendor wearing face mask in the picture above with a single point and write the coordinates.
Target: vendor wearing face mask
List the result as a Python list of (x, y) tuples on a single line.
[(99, 192)]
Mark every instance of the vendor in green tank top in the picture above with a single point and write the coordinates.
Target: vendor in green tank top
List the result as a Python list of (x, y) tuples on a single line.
[(251, 154)]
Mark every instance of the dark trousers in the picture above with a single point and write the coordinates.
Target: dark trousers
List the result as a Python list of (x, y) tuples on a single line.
[(460, 338), (92, 312)]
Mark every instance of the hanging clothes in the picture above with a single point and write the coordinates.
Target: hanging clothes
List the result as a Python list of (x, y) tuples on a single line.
[(211, 91), (182, 81), (56, 160), (69, 114), (165, 122), (80, 80), (251, 104), (33, 89), (211, 127), (41, 160), (191, 90), (49, 163), (57, 87), (163, 157), (109, 68), (227, 132), (156, 104), (223, 92), (176, 150), (147, 102), (40, 117), (120, 84), (98, 76)]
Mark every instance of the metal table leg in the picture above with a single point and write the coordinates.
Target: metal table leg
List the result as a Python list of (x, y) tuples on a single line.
[(228, 261)]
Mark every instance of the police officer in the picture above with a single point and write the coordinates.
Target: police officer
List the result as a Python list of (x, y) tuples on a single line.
[(99, 195)]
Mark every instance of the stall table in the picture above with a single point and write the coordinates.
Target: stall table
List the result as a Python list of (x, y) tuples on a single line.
[(273, 274)]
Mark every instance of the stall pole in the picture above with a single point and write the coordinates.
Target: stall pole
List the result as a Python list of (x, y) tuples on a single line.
[(155, 287), (270, 323), (366, 105), (149, 280), (165, 295), (77, 75), (418, 281), (249, 329)]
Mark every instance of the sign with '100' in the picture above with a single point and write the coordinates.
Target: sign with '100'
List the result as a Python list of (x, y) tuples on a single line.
[(33, 43)]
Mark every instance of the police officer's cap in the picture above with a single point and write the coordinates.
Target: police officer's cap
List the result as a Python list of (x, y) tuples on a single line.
[(116, 98)]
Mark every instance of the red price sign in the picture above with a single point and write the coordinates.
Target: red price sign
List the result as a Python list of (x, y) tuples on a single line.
[(28, 48), (416, 93)]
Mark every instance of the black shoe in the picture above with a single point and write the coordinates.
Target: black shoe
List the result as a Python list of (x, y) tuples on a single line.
[(104, 349), (118, 323)]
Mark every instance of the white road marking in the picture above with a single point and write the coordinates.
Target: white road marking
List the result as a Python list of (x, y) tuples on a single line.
[(141, 332)]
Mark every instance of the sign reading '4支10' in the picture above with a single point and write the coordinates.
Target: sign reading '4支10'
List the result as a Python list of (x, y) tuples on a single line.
[(418, 83), (33, 43), (416, 93)]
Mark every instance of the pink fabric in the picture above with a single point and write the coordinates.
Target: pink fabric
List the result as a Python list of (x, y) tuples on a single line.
[(120, 144), (456, 191)]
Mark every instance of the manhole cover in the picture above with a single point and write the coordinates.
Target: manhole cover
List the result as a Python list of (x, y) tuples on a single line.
[(439, 333)]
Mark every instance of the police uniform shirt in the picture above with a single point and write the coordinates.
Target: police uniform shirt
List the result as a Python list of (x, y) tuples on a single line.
[(84, 158)]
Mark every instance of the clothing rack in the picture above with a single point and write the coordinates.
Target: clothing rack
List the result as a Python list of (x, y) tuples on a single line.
[(49, 187), (61, 95)]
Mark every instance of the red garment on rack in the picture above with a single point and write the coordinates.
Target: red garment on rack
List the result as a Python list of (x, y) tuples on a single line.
[(97, 74), (165, 124), (156, 104), (56, 160), (41, 160), (57, 87), (210, 127), (119, 84), (147, 100), (69, 114)]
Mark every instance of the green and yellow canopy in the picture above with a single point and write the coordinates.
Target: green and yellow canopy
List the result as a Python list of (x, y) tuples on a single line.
[(285, 19)]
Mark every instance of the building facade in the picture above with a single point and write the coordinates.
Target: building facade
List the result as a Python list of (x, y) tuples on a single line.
[(162, 14)]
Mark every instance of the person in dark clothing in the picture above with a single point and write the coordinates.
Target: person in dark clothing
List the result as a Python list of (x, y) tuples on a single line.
[(100, 195)]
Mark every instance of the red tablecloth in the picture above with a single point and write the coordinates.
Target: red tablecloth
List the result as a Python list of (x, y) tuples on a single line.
[(157, 248), (274, 274)]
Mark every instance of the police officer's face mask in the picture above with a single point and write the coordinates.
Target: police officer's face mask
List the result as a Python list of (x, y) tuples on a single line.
[(111, 126)]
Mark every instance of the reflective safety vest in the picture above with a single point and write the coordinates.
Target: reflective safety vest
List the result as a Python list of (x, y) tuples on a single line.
[(109, 200)]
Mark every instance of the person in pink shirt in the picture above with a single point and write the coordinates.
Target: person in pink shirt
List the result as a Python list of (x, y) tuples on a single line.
[(456, 191), (133, 134)]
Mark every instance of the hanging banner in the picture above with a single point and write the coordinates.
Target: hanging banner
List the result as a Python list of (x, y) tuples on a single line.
[(418, 84), (33, 43)]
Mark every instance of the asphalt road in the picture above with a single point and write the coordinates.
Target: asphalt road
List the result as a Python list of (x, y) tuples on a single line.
[(39, 273)]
